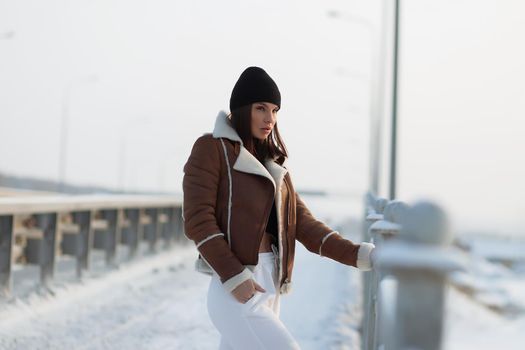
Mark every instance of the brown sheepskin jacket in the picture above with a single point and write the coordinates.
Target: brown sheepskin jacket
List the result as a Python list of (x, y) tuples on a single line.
[(228, 195)]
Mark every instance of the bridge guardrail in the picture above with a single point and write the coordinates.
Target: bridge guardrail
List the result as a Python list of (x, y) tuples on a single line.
[(404, 295), (35, 230)]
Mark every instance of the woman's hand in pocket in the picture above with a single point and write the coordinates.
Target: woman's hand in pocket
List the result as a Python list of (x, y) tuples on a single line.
[(246, 290)]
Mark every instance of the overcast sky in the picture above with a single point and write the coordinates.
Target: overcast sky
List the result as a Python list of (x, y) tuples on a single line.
[(143, 79)]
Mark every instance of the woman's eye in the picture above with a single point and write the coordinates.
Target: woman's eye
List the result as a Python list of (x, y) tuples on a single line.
[(260, 108)]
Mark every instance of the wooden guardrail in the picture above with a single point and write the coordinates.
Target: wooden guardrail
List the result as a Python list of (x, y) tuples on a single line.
[(404, 295), (35, 230)]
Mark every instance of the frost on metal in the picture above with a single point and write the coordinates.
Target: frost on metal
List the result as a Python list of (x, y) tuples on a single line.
[(403, 255)]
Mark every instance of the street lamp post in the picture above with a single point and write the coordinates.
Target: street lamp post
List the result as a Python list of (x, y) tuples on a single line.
[(64, 125), (393, 149)]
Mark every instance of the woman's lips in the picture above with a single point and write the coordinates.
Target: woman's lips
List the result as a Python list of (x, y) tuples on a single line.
[(266, 129)]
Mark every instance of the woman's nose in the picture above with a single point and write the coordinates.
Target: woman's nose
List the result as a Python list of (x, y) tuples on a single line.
[(269, 118)]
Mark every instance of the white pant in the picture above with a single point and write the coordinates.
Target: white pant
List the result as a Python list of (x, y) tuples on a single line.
[(256, 324)]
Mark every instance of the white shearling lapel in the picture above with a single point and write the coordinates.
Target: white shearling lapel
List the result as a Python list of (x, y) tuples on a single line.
[(246, 162), (276, 171)]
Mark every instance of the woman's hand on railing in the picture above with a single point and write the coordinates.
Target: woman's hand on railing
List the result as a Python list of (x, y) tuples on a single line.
[(246, 290)]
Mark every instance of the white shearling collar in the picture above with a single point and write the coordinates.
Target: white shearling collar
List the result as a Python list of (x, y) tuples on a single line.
[(246, 162), (224, 129)]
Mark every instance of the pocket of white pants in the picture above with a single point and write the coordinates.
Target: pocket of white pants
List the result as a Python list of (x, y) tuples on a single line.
[(265, 279), (254, 299), (253, 303)]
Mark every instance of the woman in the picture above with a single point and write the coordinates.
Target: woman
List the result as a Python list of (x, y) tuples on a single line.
[(242, 212)]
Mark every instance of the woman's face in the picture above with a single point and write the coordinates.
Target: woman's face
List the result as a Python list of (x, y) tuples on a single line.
[(264, 117)]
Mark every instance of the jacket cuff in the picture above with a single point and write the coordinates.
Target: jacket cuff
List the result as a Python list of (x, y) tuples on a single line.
[(236, 280), (364, 262)]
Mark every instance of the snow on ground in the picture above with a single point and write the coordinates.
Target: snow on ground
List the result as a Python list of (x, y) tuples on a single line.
[(470, 326), (492, 312), (323, 311), (153, 303)]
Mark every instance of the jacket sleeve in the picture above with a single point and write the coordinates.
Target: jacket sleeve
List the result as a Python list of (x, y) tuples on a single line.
[(320, 239), (200, 186)]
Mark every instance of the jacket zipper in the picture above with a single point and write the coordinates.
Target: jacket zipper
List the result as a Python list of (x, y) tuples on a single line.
[(289, 203), (284, 269)]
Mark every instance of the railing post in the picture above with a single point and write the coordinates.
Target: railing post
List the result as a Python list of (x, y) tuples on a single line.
[(374, 212), (133, 231), (421, 293), (168, 228), (112, 235), (6, 251), (46, 247), (173, 223), (366, 278), (152, 229), (419, 263), (179, 225), (85, 237), (381, 231)]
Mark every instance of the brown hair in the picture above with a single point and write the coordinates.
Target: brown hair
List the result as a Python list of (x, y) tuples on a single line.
[(272, 147)]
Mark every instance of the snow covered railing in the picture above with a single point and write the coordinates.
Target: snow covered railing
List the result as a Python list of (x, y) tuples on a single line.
[(35, 230), (404, 295)]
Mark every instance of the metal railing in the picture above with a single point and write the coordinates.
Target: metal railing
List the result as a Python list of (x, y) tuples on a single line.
[(36, 230), (404, 295)]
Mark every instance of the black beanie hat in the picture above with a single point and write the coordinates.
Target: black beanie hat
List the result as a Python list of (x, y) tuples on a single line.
[(254, 85)]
